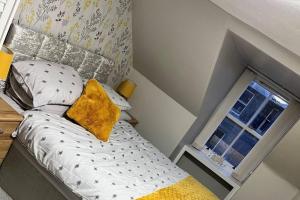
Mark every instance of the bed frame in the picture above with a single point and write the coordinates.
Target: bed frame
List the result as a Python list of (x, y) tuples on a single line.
[(28, 44), (21, 176)]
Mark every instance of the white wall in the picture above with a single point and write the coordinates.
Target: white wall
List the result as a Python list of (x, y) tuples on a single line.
[(286, 152), (229, 66), (161, 119), (176, 46), (278, 19), (265, 184), (163, 122), (297, 197)]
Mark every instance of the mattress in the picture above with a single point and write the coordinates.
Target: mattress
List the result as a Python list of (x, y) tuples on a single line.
[(126, 167)]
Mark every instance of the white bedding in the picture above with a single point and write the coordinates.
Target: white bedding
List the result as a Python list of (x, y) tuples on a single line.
[(126, 167)]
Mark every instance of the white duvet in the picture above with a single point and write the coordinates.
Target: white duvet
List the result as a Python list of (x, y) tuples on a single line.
[(126, 167)]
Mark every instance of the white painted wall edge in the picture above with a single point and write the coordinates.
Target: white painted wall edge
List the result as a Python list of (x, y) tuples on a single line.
[(162, 120)]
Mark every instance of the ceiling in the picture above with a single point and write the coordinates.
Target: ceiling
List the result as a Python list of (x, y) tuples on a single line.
[(278, 19)]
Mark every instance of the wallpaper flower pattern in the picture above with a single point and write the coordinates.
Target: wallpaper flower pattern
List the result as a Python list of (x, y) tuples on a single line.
[(102, 26)]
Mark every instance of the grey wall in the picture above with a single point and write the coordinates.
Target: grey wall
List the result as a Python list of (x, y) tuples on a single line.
[(176, 45), (227, 70), (162, 120), (265, 184), (281, 74), (277, 19), (297, 197), (284, 159)]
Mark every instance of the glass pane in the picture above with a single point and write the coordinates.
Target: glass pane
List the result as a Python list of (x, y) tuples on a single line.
[(246, 96), (238, 108), (223, 136), (240, 148), (249, 102), (267, 116)]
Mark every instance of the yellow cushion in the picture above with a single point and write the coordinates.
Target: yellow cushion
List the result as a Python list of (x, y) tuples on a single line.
[(95, 111), (186, 189)]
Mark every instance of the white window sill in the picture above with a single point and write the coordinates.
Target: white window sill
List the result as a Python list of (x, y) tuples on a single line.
[(223, 172), (222, 165)]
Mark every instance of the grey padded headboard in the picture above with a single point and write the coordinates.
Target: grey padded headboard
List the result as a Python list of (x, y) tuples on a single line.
[(31, 45)]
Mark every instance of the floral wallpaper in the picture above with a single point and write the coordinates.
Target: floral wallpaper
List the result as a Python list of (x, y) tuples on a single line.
[(102, 26)]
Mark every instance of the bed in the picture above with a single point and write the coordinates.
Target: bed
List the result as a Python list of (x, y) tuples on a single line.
[(54, 158)]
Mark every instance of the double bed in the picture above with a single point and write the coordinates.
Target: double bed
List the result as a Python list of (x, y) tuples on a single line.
[(54, 158)]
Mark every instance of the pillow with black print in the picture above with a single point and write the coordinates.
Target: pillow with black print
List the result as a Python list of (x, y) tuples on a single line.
[(116, 98), (47, 82)]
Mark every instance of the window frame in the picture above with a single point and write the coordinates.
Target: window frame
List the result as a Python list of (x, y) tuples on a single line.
[(244, 103), (245, 168)]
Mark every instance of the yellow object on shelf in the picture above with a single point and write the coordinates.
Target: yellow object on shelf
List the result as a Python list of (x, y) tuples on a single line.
[(126, 88), (6, 58)]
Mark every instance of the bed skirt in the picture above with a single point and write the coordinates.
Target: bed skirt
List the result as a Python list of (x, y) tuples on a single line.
[(23, 178)]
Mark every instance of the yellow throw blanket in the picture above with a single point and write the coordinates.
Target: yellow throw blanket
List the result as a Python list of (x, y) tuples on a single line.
[(186, 189)]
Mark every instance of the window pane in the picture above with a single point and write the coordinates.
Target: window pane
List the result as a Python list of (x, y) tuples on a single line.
[(238, 108), (249, 102), (264, 120), (246, 96), (240, 148), (223, 136)]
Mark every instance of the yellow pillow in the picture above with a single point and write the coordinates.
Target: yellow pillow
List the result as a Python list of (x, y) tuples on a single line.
[(95, 111)]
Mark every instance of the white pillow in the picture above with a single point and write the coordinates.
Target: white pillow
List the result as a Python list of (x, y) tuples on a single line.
[(53, 109), (47, 82), (116, 98), (15, 91)]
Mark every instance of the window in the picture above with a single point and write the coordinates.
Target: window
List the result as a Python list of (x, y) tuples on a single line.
[(246, 123)]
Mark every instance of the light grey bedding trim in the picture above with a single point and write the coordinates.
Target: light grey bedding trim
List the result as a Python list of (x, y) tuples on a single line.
[(15, 168)]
